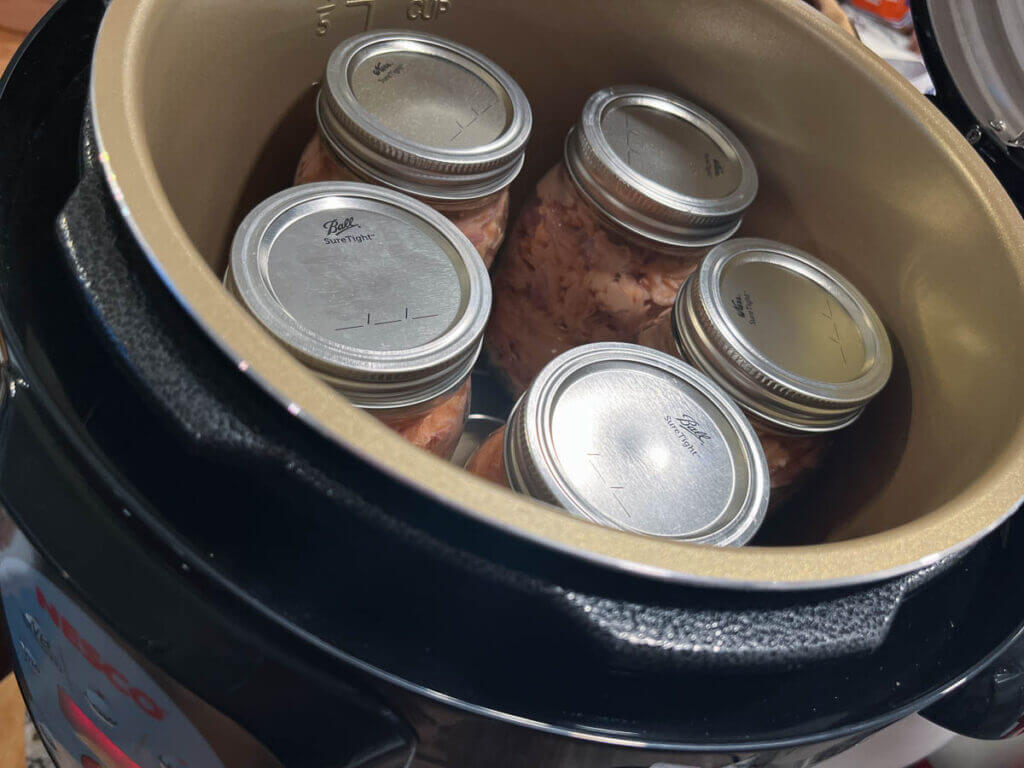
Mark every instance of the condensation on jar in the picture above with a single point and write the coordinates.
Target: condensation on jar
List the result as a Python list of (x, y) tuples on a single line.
[(647, 184), (631, 438), (377, 293), (791, 340), (427, 117)]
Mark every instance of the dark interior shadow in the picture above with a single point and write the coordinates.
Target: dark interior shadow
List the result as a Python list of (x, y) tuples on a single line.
[(856, 468)]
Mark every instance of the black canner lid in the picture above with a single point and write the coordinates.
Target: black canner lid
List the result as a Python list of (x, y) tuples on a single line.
[(978, 74)]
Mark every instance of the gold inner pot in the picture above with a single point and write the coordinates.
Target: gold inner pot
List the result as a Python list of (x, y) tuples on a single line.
[(202, 109)]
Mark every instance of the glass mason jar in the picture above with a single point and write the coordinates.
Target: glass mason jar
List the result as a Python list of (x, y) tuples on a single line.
[(633, 439), (488, 461), (789, 338), (648, 182), (377, 293), (427, 117)]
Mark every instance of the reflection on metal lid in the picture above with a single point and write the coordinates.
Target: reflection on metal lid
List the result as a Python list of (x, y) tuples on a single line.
[(379, 293), (785, 334), (424, 115), (635, 439), (660, 167)]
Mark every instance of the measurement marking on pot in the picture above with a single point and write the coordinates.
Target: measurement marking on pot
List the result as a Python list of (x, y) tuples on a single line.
[(323, 18), (426, 10), (367, 4)]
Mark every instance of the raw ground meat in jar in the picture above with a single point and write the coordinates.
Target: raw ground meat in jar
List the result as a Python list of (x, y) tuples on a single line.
[(631, 438), (434, 120), (791, 456), (791, 459), (439, 429), (611, 231), (795, 344), (482, 220), (397, 328), (567, 279), (488, 461)]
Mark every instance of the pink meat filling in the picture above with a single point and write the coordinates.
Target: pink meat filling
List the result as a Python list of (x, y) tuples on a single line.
[(566, 278), (483, 220), (790, 459), (488, 461), (437, 430)]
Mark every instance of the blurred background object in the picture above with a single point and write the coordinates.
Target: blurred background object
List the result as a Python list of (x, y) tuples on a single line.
[(897, 746), (22, 15), (8, 45), (894, 42), (962, 752), (895, 13), (17, 17), (834, 11)]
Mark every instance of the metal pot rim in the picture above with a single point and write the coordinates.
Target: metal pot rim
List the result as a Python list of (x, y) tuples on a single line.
[(135, 185)]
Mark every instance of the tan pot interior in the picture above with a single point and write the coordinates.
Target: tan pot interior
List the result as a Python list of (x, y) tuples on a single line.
[(202, 108)]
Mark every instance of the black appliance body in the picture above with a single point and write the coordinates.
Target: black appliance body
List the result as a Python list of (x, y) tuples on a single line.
[(334, 618)]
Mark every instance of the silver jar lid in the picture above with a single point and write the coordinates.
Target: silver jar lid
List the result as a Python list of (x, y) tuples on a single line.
[(380, 294), (635, 439), (784, 334), (660, 167), (423, 115)]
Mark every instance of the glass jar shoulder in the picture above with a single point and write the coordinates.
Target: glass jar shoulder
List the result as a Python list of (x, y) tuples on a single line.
[(482, 219), (436, 429)]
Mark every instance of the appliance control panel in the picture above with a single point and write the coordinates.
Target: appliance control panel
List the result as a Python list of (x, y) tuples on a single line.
[(94, 705)]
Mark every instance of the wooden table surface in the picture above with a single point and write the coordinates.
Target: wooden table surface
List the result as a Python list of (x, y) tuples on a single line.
[(17, 17), (12, 725)]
